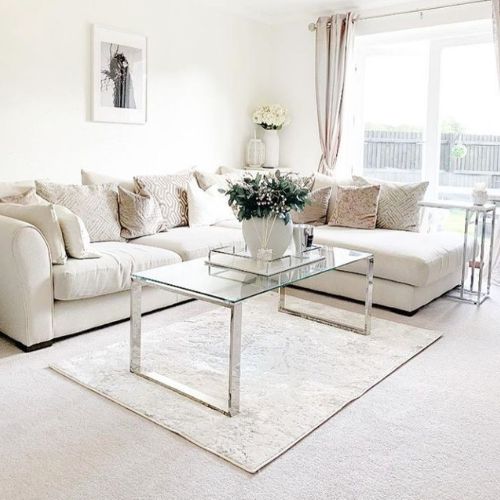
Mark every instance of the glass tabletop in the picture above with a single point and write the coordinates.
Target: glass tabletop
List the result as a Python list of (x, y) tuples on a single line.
[(198, 278)]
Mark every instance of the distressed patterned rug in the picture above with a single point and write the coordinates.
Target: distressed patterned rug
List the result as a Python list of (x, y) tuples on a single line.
[(295, 375)]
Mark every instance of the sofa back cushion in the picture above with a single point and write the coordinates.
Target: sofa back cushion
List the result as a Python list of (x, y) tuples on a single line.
[(44, 218), (97, 206), (170, 192), (398, 204), (90, 178)]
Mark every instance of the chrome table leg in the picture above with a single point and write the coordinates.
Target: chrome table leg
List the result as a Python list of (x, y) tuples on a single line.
[(135, 326), (365, 330), (230, 405)]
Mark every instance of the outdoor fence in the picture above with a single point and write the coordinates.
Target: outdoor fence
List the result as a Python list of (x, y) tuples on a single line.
[(398, 156)]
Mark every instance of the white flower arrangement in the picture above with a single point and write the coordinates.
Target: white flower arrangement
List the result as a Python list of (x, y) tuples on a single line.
[(271, 117)]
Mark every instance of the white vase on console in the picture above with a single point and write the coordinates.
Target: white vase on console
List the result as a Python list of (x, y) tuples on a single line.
[(272, 142)]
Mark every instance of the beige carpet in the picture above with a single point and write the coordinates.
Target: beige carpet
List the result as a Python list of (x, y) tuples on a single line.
[(431, 430)]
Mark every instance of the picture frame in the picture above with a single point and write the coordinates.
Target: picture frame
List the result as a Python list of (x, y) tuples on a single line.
[(119, 76)]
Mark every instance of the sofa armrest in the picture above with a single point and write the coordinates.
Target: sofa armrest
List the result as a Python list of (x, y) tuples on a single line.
[(26, 290)]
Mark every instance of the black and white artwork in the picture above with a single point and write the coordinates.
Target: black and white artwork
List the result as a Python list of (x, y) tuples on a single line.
[(119, 76)]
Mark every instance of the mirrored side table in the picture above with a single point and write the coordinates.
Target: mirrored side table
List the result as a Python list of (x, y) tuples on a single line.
[(477, 256)]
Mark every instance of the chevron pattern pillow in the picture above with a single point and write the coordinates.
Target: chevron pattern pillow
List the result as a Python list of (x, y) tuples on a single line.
[(398, 204)]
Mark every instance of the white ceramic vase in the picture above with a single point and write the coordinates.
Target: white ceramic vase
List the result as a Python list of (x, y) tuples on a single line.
[(272, 142), (270, 233)]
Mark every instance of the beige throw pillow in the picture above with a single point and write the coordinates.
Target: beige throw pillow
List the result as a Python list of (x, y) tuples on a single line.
[(44, 218), (314, 212), (140, 215), (170, 192), (333, 181), (97, 206), (398, 207), (27, 198), (355, 207)]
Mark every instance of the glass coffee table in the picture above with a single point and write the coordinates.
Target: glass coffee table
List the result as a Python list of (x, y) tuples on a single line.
[(196, 279)]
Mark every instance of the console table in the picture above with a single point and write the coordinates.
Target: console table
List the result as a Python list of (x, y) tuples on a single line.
[(481, 216)]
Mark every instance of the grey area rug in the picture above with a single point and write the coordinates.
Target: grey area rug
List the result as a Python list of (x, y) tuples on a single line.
[(295, 375)]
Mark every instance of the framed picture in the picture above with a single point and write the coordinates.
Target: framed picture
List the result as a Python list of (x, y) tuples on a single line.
[(118, 76)]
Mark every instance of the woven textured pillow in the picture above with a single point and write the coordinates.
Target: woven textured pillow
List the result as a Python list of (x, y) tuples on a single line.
[(140, 215), (170, 192), (355, 207), (398, 207), (314, 212), (97, 206)]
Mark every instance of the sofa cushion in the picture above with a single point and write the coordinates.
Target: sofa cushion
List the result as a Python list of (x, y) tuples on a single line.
[(193, 242), (79, 279), (416, 259)]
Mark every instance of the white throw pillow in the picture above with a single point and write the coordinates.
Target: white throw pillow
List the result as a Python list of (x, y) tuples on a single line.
[(208, 207), (44, 218), (75, 234)]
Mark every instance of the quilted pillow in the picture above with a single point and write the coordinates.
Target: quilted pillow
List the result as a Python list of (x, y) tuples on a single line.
[(97, 206), (170, 192), (398, 204), (355, 207)]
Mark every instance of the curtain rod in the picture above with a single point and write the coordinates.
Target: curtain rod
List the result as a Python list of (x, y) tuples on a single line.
[(312, 26)]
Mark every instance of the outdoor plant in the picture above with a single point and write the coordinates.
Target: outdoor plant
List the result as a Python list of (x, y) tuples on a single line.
[(269, 195)]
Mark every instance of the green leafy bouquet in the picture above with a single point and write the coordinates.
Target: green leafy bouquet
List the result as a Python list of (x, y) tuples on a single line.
[(269, 195)]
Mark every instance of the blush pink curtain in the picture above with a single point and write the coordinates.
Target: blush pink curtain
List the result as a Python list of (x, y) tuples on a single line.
[(334, 47)]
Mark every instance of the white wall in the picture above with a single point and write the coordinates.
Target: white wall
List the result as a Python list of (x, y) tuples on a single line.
[(207, 71), (294, 87)]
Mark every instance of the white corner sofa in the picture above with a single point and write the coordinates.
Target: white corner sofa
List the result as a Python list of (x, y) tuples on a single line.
[(40, 302)]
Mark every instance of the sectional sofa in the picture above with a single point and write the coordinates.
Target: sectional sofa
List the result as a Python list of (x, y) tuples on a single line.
[(40, 302)]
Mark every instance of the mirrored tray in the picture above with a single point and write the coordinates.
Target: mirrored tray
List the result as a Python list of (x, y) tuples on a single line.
[(237, 257)]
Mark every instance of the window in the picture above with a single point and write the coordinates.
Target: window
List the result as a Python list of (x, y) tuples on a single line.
[(470, 129), (394, 111), (429, 105)]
